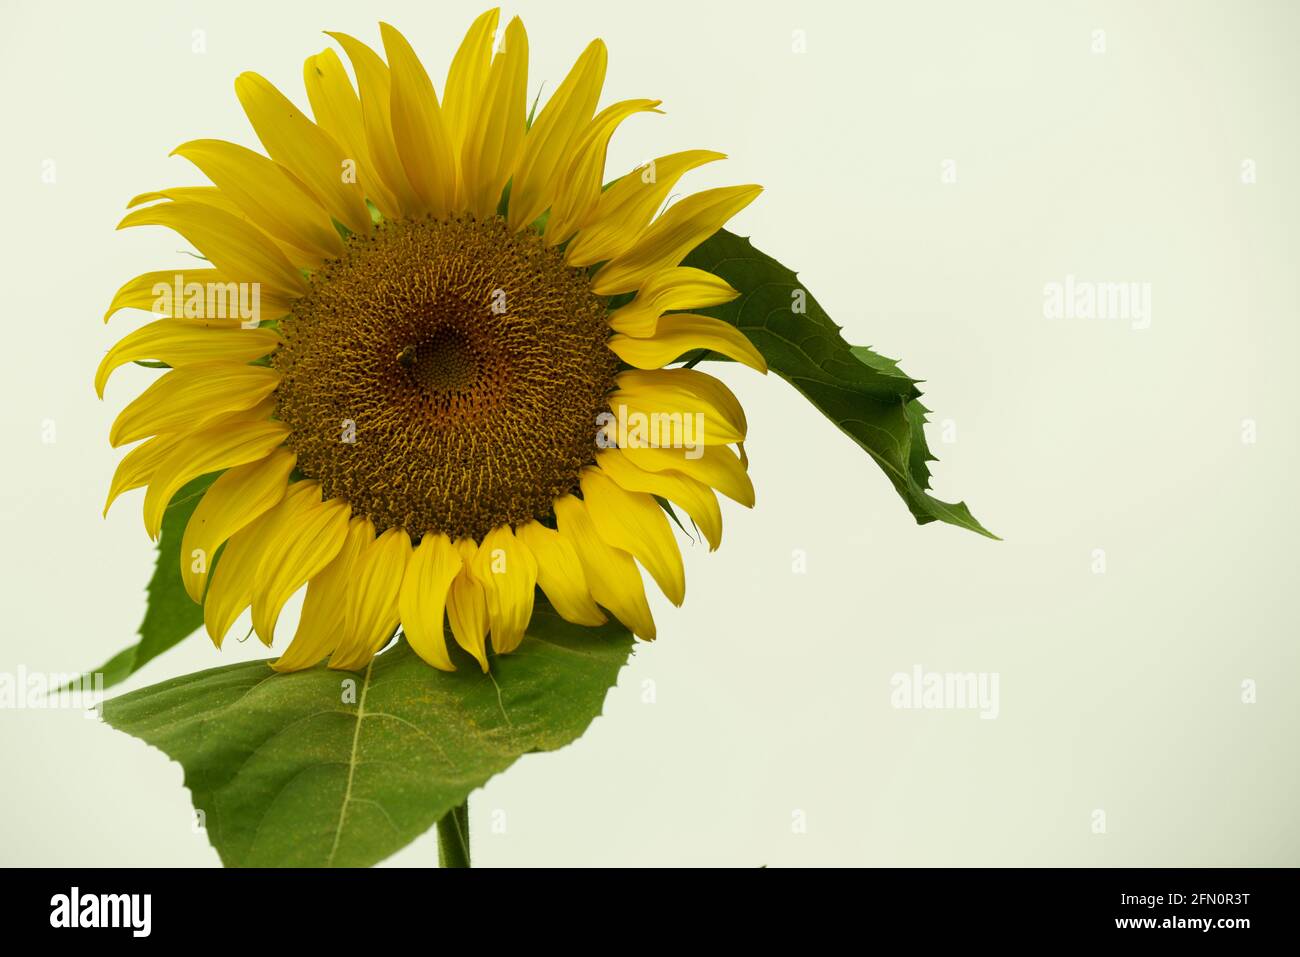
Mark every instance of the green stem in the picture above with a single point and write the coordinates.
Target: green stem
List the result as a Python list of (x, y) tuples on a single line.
[(453, 837)]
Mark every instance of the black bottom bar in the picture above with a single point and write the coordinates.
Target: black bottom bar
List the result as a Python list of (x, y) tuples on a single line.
[(1168, 906)]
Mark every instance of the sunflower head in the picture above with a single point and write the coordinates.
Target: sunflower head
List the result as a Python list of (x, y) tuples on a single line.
[(429, 358)]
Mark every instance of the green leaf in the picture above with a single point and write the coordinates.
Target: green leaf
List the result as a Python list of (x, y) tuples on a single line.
[(170, 615), (339, 768), (871, 400)]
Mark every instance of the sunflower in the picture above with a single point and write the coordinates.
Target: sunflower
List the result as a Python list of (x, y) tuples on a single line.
[(427, 359)]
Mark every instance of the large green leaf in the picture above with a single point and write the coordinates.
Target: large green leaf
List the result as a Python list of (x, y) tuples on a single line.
[(170, 615), (862, 392), (330, 768)]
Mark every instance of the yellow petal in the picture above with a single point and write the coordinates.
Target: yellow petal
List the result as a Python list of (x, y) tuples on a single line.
[(626, 208), (185, 342), (231, 244), (238, 572), (580, 183), (324, 610), (684, 408), (467, 607), (139, 465), (266, 194), (689, 380), (192, 397), (683, 287), (423, 599), (232, 581), (560, 574), (611, 573), (681, 228), (337, 109), (305, 545), (236, 498), (304, 149), (418, 129), (468, 76), (634, 522), (214, 198), (683, 332), (223, 446), (496, 133), (695, 497), (548, 145), (243, 559), (204, 195), (714, 465), (507, 571), (372, 613), (157, 291), (375, 83)]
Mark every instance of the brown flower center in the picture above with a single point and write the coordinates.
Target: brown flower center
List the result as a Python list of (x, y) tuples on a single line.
[(445, 376)]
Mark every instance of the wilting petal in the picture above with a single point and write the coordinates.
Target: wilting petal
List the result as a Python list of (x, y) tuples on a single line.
[(634, 522), (372, 599), (682, 287), (715, 465), (560, 574), (422, 601), (239, 571), (684, 332), (238, 496), (695, 497), (611, 573), (307, 542), (693, 408), (324, 610), (507, 571), (467, 607)]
